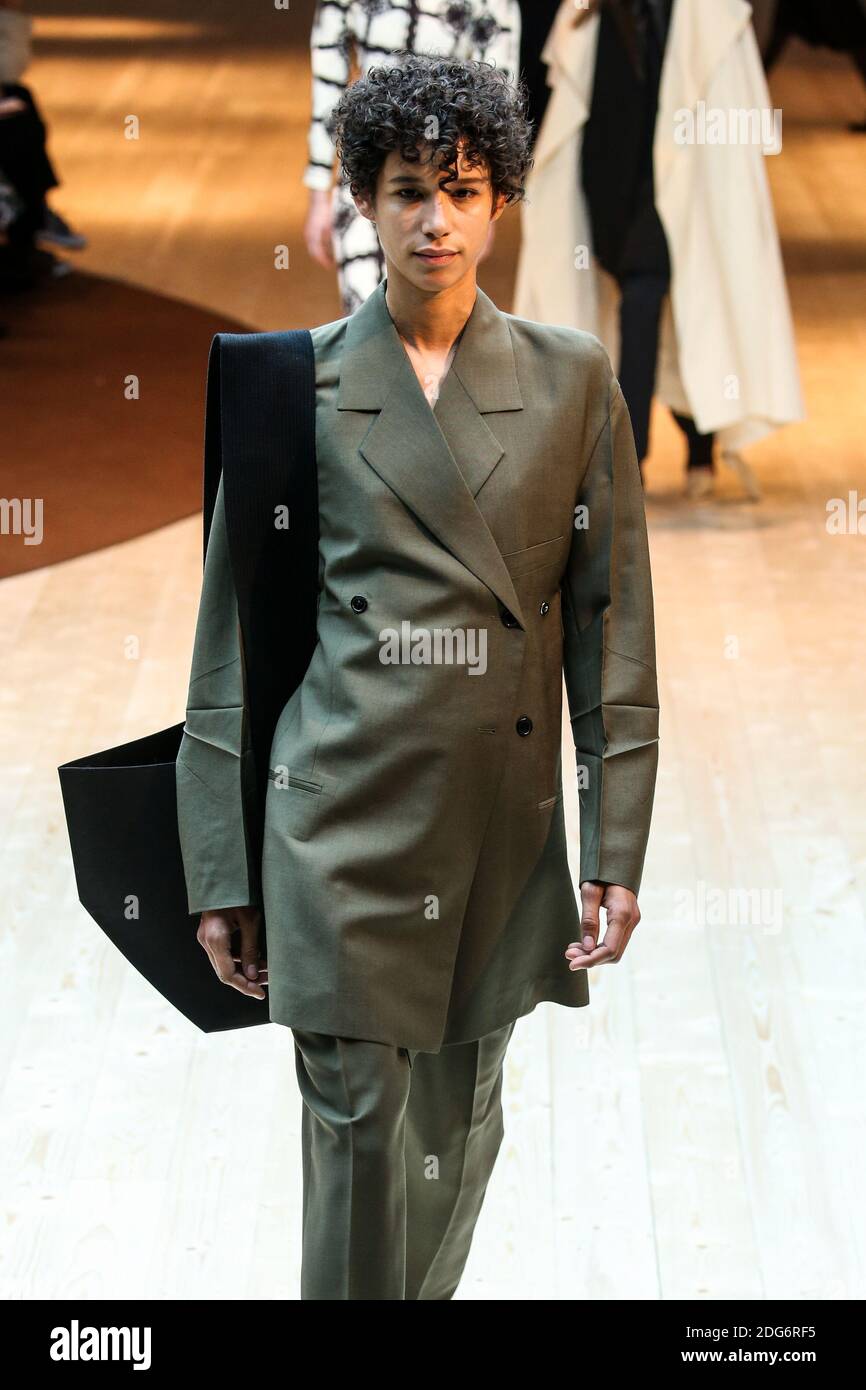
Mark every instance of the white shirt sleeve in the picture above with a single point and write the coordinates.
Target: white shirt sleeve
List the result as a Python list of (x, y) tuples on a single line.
[(330, 43)]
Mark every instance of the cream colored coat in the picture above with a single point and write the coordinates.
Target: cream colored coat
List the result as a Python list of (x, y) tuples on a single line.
[(726, 353)]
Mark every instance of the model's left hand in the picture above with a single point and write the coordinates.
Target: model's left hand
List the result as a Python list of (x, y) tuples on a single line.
[(623, 915)]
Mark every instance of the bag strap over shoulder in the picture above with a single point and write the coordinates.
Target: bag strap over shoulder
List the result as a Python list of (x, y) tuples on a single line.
[(260, 434)]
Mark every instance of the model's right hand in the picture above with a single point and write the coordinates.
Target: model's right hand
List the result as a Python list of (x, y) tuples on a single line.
[(623, 915), (318, 228), (247, 972)]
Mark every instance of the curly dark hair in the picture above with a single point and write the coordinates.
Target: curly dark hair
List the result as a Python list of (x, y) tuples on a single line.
[(430, 100)]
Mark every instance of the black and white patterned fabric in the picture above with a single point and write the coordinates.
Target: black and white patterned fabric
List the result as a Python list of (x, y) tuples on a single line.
[(376, 31)]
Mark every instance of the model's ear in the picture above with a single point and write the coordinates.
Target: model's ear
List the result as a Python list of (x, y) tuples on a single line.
[(364, 204), (499, 205)]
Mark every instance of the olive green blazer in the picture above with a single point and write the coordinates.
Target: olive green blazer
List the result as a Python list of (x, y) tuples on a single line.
[(414, 876)]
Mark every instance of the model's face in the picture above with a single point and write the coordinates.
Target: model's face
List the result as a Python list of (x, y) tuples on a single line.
[(432, 231)]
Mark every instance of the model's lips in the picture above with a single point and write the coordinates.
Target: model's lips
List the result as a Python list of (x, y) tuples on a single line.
[(436, 256)]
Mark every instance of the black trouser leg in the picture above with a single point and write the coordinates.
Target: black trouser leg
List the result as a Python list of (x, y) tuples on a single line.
[(700, 445), (639, 317), (23, 155), (26, 166)]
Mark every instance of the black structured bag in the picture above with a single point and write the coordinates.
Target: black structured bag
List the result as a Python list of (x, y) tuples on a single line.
[(120, 804)]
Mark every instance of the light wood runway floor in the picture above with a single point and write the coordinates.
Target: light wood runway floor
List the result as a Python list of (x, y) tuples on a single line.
[(697, 1132)]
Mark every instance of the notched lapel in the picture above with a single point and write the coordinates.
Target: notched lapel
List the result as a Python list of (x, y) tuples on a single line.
[(406, 443), (472, 442)]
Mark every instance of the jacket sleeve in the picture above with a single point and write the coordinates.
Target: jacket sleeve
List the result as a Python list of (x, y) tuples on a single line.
[(609, 656), (214, 771)]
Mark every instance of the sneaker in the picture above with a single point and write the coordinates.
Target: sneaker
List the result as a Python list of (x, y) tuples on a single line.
[(699, 482), (744, 472), (57, 232)]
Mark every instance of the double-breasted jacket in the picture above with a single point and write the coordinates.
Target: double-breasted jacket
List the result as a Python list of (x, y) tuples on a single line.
[(414, 876)]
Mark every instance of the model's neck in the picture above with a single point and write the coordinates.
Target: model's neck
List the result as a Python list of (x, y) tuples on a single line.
[(429, 321)]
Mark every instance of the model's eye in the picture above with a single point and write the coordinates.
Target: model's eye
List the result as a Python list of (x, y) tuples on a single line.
[(464, 193)]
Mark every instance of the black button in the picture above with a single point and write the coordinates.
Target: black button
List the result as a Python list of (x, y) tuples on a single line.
[(509, 619), (524, 725), (359, 603), (545, 608)]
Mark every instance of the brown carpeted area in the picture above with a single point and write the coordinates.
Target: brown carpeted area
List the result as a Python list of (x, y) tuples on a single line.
[(106, 465), (194, 211)]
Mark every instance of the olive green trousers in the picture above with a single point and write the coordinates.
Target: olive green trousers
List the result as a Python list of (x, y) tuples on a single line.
[(398, 1147)]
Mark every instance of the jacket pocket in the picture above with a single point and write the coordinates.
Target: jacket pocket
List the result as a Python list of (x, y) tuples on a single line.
[(535, 556), (551, 812), (296, 799)]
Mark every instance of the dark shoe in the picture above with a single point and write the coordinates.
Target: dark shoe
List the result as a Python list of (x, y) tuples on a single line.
[(56, 231)]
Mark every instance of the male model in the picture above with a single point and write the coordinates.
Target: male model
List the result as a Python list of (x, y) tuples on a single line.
[(380, 32), (481, 529)]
